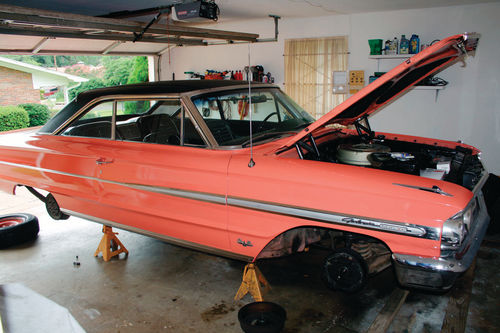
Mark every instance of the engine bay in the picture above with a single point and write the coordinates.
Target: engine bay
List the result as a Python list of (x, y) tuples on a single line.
[(459, 165)]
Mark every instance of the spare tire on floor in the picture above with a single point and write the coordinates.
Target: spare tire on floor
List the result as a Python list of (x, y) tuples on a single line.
[(17, 228), (262, 317)]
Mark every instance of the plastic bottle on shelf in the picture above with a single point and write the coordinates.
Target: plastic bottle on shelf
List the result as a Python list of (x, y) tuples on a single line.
[(404, 45), (395, 45), (414, 44), (387, 47)]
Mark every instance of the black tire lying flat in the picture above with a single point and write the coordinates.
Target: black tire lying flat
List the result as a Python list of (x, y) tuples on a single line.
[(17, 228), (344, 270), (262, 317)]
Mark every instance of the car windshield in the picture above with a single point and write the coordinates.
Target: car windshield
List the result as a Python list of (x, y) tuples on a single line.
[(227, 115)]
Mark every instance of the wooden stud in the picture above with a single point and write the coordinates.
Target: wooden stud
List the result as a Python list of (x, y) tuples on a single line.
[(389, 311), (455, 317)]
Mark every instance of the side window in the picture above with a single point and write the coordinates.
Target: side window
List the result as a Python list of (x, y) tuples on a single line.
[(133, 107), (159, 125), (95, 123), (191, 135), (149, 121), (155, 121)]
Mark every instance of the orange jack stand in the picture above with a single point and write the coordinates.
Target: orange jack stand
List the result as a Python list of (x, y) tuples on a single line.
[(253, 282), (110, 245)]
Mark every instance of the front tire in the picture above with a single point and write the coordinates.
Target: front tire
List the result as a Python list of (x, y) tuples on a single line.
[(17, 229), (344, 270)]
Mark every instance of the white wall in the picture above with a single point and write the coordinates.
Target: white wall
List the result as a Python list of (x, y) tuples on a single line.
[(269, 55), (468, 109), (41, 79)]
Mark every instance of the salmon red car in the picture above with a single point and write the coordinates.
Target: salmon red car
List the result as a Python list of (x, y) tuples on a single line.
[(175, 160)]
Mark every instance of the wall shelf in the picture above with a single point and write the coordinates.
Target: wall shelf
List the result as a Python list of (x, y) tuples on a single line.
[(435, 88), (391, 56), (429, 87), (405, 56), (388, 57)]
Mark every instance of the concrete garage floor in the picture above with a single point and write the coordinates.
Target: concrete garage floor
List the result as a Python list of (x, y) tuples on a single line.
[(164, 288)]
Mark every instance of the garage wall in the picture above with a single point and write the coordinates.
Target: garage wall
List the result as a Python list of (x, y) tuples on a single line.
[(468, 109), (235, 57)]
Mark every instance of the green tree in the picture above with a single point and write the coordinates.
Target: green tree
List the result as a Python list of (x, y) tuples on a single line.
[(139, 71), (23, 58), (91, 84), (117, 70)]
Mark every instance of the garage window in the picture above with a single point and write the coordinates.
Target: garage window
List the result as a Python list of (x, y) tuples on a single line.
[(309, 67)]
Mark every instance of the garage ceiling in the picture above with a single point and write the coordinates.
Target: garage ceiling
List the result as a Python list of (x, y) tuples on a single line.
[(244, 9), (74, 29)]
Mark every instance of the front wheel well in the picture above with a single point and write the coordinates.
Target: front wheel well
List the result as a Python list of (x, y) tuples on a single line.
[(301, 238)]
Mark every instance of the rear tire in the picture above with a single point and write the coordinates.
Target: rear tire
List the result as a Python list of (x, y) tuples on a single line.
[(17, 228)]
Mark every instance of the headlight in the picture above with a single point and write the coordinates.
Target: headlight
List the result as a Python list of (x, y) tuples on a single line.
[(455, 229)]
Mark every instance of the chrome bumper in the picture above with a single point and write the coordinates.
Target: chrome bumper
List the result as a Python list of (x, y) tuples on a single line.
[(441, 273)]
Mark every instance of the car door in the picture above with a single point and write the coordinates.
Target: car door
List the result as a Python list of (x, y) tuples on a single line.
[(69, 160), (158, 177)]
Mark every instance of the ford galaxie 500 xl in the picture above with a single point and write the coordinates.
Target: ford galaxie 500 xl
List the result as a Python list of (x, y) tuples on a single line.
[(174, 160)]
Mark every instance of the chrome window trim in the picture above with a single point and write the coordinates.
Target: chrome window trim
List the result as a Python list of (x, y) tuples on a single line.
[(116, 98), (199, 123), (113, 120), (187, 97), (110, 98)]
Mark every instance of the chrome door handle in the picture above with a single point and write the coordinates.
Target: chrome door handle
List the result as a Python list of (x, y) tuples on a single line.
[(102, 160)]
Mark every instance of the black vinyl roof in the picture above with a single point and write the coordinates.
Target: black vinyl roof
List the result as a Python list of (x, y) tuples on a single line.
[(160, 87), (148, 88)]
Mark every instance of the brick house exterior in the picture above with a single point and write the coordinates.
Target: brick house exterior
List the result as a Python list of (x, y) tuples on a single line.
[(16, 87)]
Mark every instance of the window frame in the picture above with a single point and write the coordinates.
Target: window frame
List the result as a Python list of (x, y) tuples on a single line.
[(117, 98), (190, 96)]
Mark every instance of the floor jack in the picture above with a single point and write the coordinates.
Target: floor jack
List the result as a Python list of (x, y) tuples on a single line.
[(253, 282), (110, 245)]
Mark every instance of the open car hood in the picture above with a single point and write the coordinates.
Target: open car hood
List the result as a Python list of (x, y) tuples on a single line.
[(394, 83)]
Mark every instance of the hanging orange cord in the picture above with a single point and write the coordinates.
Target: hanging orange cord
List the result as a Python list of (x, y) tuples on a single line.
[(242, 107)]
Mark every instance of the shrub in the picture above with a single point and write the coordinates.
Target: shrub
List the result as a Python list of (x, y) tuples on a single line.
[(38, 114), (92, 84), (13, 117)]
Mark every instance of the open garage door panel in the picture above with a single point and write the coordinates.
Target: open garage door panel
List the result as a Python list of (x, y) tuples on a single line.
[(35, 31)]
